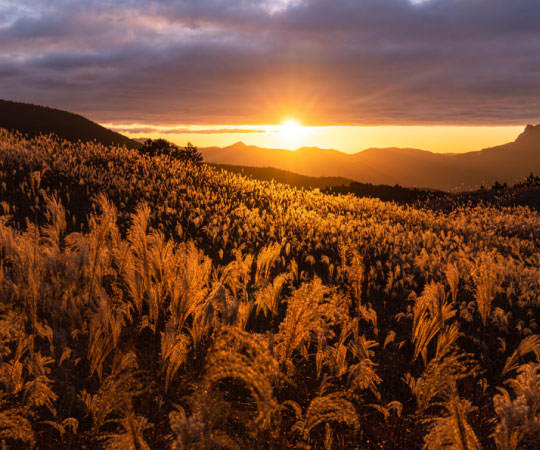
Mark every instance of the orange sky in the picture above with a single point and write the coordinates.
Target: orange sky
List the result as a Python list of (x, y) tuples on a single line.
[(349, 139)]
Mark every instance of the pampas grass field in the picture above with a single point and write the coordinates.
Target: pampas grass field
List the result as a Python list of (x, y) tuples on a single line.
[(150, 303)]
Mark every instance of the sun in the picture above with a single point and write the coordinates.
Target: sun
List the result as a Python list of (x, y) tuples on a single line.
[(290, 130)]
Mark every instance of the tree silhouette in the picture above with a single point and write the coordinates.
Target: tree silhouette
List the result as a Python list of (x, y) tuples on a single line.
[(162, 147), (190, 153)]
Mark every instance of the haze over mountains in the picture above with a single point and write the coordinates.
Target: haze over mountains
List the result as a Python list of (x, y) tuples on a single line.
[(405, 166)]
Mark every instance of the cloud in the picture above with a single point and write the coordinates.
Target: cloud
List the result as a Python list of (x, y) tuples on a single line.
[(255, 62), (212, 131), (185, 130)]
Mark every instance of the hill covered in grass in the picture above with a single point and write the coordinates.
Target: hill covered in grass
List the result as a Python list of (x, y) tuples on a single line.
[(524, 193), (285, 177), (33, 120), (154, 303)]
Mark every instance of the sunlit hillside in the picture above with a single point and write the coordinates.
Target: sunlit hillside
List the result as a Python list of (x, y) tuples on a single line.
[(151, 303)]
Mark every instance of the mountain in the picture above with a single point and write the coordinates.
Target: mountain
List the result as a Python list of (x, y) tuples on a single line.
[(34, 120), (405, 166)]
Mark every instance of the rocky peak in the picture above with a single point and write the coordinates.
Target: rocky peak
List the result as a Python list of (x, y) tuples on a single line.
[(531, 136)]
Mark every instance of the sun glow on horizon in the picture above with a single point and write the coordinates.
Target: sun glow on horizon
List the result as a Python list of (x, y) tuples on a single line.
[(291, 134), (291, 131)]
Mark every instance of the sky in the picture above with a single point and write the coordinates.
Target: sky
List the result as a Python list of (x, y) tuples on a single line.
[(443, 75)]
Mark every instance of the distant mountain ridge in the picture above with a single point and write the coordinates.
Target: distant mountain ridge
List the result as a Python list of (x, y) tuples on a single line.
[(405, 166), (34, 120)]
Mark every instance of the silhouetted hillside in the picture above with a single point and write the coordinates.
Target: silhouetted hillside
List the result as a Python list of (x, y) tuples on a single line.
[(284, 176), (385, 192), (34, 120), (404, 166), (523, 193), (335, 185)]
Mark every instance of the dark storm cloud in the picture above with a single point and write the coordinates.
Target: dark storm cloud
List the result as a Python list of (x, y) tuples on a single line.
[(325, 61)]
